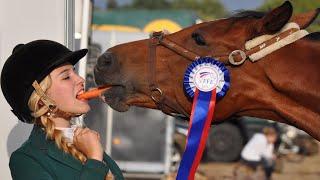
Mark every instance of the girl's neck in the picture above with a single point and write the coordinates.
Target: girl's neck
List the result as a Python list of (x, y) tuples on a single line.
[(61, 122)]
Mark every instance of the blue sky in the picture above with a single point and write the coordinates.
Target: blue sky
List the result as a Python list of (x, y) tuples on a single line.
[(231, 5)]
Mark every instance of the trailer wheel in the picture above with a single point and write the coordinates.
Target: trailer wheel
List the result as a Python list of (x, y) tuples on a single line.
[(224, 143)]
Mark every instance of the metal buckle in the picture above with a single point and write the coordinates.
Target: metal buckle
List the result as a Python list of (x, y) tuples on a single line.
[(157, 35), (235, 52), (52, 107), (156, 90)]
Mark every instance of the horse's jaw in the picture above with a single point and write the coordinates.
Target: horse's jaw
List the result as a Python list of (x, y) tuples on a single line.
[(115, 97), (122, 103), (121, 98)]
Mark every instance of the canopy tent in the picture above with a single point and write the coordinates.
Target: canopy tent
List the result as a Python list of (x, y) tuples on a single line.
[(129, 20)]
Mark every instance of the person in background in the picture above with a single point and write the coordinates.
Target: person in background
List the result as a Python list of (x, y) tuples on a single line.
[(259, 151), (39, 83)]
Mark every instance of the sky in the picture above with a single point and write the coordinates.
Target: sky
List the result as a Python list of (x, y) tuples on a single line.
[(231, 5)]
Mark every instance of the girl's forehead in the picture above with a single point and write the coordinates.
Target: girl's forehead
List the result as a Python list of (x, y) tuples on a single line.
[(62, 69)]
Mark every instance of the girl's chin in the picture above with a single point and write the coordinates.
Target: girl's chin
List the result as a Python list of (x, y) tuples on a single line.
[(84, 109), (83, 101), (81, 108)]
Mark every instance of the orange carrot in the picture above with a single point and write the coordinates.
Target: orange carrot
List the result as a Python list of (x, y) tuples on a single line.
[(93, 93)]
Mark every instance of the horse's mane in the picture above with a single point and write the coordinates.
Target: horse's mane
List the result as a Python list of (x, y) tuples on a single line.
[(248, 14), (315, 36)]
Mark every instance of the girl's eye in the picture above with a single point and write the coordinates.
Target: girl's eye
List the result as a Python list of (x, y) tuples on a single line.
[(65, 78), (198, 39)]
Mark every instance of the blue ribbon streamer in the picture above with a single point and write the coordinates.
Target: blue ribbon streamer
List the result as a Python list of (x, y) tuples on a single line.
[(194, 134)]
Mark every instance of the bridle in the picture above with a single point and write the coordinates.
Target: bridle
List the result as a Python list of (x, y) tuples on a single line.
[(235, 58), (156, 93)]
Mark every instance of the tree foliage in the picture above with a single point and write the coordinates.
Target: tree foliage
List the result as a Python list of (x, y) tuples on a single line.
[(150, 4), (206, 9), (112, 4), (299, 6)]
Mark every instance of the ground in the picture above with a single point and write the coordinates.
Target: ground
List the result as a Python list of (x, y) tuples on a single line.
[(307, 169)]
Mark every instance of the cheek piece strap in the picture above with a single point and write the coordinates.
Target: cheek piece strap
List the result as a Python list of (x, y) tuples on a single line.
[(50, 108)]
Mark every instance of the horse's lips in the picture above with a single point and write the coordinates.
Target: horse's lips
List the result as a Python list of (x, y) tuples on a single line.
[(115, 98)]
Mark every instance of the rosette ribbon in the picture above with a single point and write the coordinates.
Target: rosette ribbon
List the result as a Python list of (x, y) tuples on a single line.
[(206, 80)]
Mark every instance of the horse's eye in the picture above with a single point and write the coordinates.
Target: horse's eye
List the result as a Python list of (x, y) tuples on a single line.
[(198, 39)]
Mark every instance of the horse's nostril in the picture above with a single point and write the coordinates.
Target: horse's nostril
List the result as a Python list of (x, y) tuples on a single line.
[(105, 60)]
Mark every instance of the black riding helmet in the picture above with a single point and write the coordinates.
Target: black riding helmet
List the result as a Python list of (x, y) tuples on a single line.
[(30, 62)]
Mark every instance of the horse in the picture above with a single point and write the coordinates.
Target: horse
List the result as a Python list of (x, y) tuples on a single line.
[(282, 86)]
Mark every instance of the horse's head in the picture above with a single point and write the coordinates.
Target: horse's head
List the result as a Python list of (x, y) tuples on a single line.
[(127, 66)]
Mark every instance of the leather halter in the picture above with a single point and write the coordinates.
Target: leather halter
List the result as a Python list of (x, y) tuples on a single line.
[(156, 93), (236, 57)]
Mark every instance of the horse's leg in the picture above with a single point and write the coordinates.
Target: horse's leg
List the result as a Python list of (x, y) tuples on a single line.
[(296, 114)]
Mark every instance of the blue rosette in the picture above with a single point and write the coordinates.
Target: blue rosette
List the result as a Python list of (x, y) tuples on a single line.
[(220, 76)]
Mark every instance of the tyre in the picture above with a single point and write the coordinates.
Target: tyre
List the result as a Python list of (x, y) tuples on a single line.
[(224, 143)]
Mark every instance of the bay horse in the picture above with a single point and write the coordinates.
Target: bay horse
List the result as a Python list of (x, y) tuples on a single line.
[(283, 86)]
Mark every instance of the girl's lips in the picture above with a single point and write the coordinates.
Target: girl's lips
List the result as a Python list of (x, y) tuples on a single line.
[(80, 92), (83, 100), (93, 93)]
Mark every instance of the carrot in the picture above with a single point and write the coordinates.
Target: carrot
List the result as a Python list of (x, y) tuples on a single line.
[(93, 93)]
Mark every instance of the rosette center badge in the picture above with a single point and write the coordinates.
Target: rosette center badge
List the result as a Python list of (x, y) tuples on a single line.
[(206, 74), (206, 78)]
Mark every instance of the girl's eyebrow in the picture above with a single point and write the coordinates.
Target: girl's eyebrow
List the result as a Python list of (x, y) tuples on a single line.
[(65, 70)]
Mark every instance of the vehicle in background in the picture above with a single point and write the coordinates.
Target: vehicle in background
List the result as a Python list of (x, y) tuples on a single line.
[(226, 140)]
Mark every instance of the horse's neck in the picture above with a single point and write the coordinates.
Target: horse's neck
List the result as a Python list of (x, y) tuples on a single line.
[(303, 48), (309, 46)]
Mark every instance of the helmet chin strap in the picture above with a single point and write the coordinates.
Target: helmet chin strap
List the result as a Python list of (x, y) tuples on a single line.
[(49, 108)]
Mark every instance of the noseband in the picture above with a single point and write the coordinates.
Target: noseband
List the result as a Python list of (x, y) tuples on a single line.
[(235, 58)]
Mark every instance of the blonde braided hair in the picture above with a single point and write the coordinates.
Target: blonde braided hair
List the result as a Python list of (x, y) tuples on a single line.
[(46, 122)]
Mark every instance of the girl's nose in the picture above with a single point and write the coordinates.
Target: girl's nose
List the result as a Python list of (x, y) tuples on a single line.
[(80, 80)]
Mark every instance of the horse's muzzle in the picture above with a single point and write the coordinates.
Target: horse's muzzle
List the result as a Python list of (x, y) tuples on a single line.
[(106, 71), (106, 61)]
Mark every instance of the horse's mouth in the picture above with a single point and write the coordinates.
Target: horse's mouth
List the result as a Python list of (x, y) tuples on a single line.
[(115, 97)]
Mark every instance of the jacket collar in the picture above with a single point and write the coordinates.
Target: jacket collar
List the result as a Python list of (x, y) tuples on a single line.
[(38, 140)]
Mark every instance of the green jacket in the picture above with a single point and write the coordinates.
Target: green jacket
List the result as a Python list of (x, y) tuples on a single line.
[(39, 158)]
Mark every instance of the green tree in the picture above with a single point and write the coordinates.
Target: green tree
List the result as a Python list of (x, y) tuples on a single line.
[(112, 4), (299, 6), (150, 4), (206, 9)]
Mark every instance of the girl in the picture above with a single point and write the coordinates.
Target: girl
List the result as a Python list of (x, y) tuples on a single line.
[(39, 82)]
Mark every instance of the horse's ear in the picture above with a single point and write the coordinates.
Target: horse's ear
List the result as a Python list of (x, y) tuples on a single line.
[(274, 20), (305, 19)]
